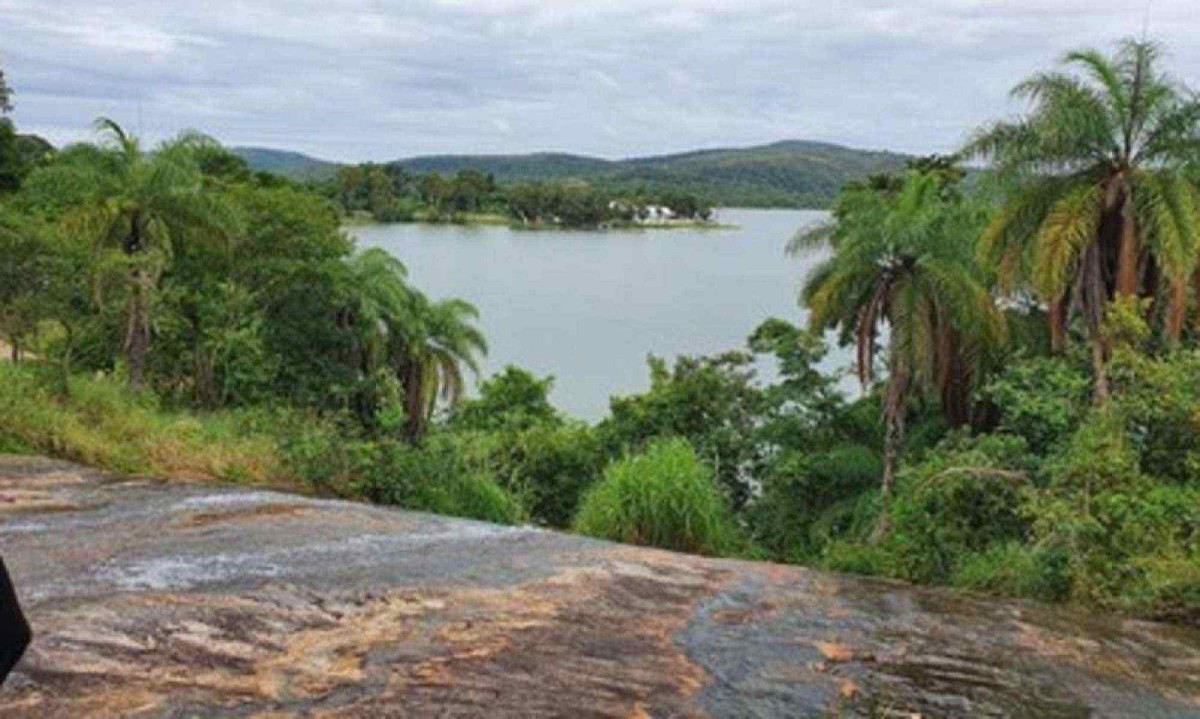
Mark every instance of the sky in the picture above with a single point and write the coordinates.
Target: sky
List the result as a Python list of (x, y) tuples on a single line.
[(355, 80)]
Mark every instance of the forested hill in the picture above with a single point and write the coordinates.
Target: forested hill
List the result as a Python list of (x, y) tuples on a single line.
[(293, 165), (792, 173)]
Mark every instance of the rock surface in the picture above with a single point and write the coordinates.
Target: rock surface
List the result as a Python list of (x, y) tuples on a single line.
[(156, 599)]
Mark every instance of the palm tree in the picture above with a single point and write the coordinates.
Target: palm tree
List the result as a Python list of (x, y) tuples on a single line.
[(140, 210), (1102, 205), (903, 260), (425, 344), (439, 339)]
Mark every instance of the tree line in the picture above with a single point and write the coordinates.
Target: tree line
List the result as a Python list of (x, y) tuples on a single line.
[(189, 276), (390, 193)]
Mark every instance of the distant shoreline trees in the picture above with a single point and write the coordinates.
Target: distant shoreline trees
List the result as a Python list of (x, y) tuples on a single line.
[(389, 193)]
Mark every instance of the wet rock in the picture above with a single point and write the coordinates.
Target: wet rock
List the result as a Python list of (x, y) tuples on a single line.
[(171, 600)]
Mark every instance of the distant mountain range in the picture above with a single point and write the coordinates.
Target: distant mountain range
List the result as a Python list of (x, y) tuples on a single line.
[(792, 173)]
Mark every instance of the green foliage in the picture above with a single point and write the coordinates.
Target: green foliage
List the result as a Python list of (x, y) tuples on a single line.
[(664, 497), (548, 465), (512, 399), (98, 423), (1016, 569), (811, 498), (1158, 400), (1041, 399), (965, 496), (434, 477), (710, 401)]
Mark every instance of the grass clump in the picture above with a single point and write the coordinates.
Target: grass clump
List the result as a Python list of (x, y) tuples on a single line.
[(664, 497), (100, 424)]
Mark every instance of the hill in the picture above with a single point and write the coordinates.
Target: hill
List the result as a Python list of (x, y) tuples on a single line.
[(792, 173), (293, 165)]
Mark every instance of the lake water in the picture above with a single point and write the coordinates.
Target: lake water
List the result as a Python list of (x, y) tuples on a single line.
[(587, 307)]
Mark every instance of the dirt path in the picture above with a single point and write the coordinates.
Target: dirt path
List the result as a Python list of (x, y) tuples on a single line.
[(170, 600)]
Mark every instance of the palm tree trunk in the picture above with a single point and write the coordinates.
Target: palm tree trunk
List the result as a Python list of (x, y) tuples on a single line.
[(137, 331), (1094, 301), (414, 404), (1176, 310), (1129, 251), (1057, 317), (893, 444)]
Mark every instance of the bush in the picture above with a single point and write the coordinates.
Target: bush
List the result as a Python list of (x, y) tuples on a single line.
[(1159, 402), (1133, 542), (965, 496), (512, 399), (549, 466), (1042, 400), (809, 499), (856, 558), (664, 498), (1014, 569), (433, 477)]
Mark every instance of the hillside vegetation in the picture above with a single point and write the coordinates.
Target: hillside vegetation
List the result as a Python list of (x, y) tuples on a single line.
[(783, 174)]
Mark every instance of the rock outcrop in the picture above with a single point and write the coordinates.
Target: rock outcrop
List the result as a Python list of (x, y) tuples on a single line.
[(159, 599)]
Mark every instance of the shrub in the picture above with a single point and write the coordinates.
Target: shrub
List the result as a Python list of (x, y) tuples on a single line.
[(664, 497), (966, 495), (549, 466), (1159, 402), (808, 499), (433, 477), (1042, 400), (710, 401), (512, 399), (856, 558), (1014, 569), (1133, 543)]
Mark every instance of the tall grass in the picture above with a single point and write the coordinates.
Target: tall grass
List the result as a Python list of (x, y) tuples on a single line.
[(666, 498), (100, 424)]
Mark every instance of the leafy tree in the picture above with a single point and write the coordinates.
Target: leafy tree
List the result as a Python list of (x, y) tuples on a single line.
[(23, 276), (903, 261), (300, 285), (139, 210), (514, 398), (1102, 205)]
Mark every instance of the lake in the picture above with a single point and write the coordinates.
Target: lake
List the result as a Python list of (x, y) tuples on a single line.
[(587, 307)]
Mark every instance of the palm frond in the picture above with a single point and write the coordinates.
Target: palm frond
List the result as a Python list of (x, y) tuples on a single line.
[(1069, 227)]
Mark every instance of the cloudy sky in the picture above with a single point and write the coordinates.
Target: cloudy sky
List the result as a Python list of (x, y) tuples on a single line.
[(380, 79)]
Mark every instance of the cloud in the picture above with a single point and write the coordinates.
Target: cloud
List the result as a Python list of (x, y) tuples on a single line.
[(360, 79)]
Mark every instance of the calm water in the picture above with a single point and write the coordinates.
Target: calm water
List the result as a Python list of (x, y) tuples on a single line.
[(587, 307)]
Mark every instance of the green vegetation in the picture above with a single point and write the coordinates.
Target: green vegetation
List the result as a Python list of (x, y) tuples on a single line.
[(1029, 350), (782, 174), (388, 193), (899, 259), (665, 498), (99, 423)]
